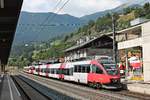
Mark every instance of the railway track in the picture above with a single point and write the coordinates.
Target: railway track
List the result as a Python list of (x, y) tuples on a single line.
[(31, 90), (27, 92), (83, 92)]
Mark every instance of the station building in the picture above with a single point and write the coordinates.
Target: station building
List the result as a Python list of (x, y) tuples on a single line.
[(131, 41)]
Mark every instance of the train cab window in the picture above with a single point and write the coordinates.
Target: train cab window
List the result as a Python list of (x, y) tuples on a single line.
[(96, 69)]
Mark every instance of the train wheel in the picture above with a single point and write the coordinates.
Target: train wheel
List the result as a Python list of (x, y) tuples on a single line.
[(98, 85), (94, 85)]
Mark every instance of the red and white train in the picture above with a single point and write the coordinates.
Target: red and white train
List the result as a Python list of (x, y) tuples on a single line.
[(96, 73)]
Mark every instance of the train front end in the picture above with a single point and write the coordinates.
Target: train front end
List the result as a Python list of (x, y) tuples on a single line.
[(112, 73)]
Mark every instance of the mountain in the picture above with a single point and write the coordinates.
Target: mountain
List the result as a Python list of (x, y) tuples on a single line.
[(134, 3), (44, 26), (33, 27)]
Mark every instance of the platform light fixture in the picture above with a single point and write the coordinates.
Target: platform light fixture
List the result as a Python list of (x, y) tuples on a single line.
[(1, 3)]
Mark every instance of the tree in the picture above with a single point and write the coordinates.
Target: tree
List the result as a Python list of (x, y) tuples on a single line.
[(139, 12), (128, 10), (91, 23), (146, 8)]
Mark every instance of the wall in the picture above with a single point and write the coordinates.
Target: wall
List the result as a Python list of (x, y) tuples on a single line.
[(146, 50)]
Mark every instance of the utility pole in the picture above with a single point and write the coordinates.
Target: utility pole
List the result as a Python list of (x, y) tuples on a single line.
[(126, 55), (114, 40)]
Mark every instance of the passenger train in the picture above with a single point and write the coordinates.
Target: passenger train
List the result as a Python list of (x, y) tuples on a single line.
[(96, 73)]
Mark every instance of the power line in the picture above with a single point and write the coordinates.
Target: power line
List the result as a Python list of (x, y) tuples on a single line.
[(53, 10), (53, 16), (32, 28), (57, 5), (57, 11)]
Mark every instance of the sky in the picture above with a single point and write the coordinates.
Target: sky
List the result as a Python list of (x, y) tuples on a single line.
[(76, 8)]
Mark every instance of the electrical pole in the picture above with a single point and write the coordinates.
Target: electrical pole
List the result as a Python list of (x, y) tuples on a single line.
[(114, 40), (126, 55)]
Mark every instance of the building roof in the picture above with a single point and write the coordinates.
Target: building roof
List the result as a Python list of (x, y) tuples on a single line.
[(86, 43), (9, 14)]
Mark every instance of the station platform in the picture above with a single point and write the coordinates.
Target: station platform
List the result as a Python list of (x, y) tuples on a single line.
[(8, 90), (137, 86)]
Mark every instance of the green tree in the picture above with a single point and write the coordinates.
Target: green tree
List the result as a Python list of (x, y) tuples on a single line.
[(146, 8), (139, 12)]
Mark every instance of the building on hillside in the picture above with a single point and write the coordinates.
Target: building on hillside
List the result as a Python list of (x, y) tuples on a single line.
[(101, 45)]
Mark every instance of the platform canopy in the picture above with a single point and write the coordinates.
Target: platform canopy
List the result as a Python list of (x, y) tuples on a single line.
[(9, 14)]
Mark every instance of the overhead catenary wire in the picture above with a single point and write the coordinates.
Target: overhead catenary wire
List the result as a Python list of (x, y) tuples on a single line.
[(59, 2), (49, 15), (53, 16), (32, 29)]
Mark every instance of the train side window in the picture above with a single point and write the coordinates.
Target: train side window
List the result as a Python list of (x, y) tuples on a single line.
[(57, 71), (75, 69), (96, 69), (45, 71), (66, 71), (88, 69), (36, 69), (83, 69), (42, 70), (71, 71), (52, 71), (79, 68), (49, 70)]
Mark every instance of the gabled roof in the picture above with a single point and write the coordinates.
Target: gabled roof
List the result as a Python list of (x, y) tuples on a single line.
[(88, 42)]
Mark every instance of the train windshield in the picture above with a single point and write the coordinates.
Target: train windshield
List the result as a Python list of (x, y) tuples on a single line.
[(110, 67)]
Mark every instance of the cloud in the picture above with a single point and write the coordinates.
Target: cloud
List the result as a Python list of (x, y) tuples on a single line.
[(74, 7)]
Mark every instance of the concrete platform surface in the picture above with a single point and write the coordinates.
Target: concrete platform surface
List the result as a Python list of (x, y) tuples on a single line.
[(8, 89), (143, 88)]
